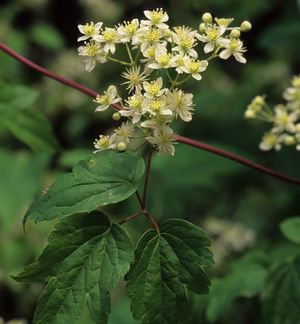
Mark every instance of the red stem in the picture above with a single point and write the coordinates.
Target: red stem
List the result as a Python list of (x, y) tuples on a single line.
[(181, 139), (237, 158)]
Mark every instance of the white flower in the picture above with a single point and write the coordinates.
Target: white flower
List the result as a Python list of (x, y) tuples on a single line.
[(163, 60), (104, 143), (149, 54), (92, 53), (212, 37), (134, 108), (284, 120), (292, 94), (89, 30), (154, 88), (181, 103), (194, 67), (179, 60), (157, 106), (164, 139), (157, 121), (269, 141), (124, 132), (233, 47), (108, 98), (128, 30), (156, 18), (185, 39), (109, 36), (151, 37), (135, 78), (224, 22)]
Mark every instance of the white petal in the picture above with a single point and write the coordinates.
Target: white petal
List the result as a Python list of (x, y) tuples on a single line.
[(101, 108), (239, 57), (147, 14), (197, 76), (81, 28), (90, 64), (225, 54), (209, 47), (82, 38)]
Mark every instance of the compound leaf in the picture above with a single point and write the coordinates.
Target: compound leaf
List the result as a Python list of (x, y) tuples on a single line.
[(105, 178), (166, 265), (85, 258)]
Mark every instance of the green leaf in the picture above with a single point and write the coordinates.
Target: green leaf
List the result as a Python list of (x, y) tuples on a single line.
[(166, 265), (28, 125), (84, 260), (281, 295), (244, 281), (291, 229), (47, 36), (105, 178)]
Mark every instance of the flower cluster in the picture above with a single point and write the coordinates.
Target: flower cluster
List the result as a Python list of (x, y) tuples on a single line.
[(229, 237), (285, 118), (160, 60)]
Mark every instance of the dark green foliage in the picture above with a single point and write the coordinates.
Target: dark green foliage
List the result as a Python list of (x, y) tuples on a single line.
[(25, 123), (281, 296), (166, 265), (85, 258), (246, 279)]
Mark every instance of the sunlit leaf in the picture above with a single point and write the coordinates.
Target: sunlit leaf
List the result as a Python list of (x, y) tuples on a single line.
[(105, 178)]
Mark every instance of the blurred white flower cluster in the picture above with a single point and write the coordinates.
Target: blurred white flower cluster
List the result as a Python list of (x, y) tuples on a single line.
[(285, 118), (160, 60), (229, 237)]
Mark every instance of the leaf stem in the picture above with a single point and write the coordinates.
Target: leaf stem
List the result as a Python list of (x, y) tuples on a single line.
[(148, 215), (129, 54), (132, 217), (153, 221), (139, 198), (181, 139), (148, 167), (119, 61)]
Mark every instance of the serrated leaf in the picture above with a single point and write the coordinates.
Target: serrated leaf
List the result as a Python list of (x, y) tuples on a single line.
[(105, 178), (84, 260), (281, 295), (291, 229), (28, 125), (166, 265)]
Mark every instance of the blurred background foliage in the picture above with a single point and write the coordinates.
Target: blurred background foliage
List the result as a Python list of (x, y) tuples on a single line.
[(45, 128)]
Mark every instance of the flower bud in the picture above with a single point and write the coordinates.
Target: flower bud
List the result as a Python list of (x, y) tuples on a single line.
[(289, 140), (202, 27), (245, 26), (250, 114), (116, 116), (235, 33), (207, 18), (259, 101), (298, 128), (121, 146)]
